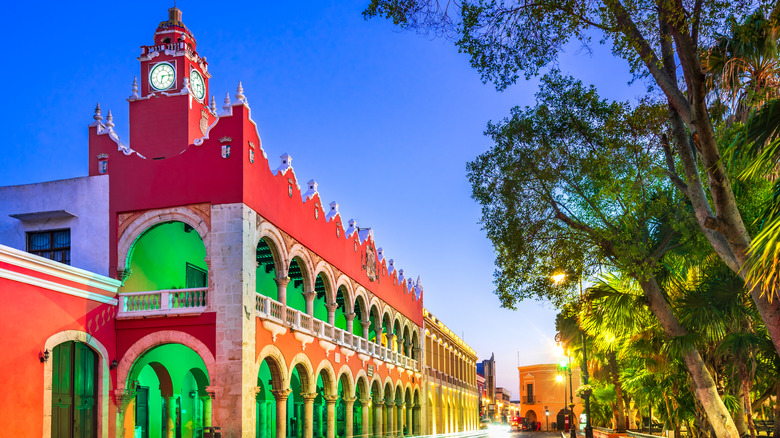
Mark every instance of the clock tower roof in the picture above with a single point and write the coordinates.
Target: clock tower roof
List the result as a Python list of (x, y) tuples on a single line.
[(173, 29)]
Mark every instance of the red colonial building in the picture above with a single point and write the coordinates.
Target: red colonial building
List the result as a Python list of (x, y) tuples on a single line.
[(197, 285)]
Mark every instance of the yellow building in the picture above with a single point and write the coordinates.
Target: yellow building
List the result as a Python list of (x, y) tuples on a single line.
[(451, 371), (542, 391)]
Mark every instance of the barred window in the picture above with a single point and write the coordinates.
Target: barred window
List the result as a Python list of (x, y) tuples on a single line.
[(51, 244)]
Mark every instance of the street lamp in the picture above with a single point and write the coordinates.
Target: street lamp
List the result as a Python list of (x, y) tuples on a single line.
[(558, 279)]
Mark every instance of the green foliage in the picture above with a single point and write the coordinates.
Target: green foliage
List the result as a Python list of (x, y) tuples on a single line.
[(572, 184)]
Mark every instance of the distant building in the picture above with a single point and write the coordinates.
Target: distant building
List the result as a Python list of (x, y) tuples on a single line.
[(545, 390), (482, 394), (450, 369), (488, 370)]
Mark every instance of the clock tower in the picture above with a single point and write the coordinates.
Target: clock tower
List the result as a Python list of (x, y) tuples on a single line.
[(169, 107)]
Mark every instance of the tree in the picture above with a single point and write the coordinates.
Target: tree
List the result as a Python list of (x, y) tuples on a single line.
[(576, 178), (507, 38)]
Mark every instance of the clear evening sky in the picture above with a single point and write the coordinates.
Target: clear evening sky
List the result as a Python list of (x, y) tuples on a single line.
[(383, 120)]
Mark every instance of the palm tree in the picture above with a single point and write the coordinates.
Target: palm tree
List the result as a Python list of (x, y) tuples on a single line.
[(743, 67)]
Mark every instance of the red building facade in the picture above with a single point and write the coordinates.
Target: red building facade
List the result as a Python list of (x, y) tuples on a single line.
[(231, 297)]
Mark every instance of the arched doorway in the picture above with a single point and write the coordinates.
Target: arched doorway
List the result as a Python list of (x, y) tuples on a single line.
[(561, 418), (74, 391), (167, 256), (170, 383)]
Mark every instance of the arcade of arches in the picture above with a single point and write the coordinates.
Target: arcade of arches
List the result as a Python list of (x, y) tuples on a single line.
[(318, 373)]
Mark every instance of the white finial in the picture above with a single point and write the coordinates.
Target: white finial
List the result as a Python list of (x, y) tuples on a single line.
[(135, 94), (380, 253), (311, 191), (186, 88), (98, 114), (391, 266), (213, 104), (352, 227), (240, 93), (109, 120), (334, 210), (226, 104)]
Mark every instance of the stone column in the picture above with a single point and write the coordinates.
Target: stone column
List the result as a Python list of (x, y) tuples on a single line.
[(366, 325), (332, 312), (390, 418), (309, 297), (365, 412), (330, 401), (416, 420), (349, 413), (233, 251), (170, 427), (280, 395), (400, 419), (378, 330), (409, 420), (378, 419), (350, 321), (206, 410), (281, 289), (308, 414), (390, 338)]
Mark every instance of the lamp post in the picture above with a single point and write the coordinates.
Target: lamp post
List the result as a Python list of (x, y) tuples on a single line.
[(571, 405), (558, 278)]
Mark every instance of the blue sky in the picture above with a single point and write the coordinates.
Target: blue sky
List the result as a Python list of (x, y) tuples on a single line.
[(383, 120)]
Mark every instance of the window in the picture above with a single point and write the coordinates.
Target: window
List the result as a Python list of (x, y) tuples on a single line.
[(195, 277), (53, 245)]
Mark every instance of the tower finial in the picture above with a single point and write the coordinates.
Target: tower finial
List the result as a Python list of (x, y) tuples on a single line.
[(109, 120), (213, 104), (240, 93), (135, 95), (226, 105), (98, 114)]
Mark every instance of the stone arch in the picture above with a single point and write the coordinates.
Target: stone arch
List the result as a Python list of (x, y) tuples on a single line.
[(307, 267), (324, 269), (361, 382), (103, 378), (162, 337), (351, 294), (346, 371), (276, 364), (269, 234), (147, 220), (329, 382), (311, 378), (376, 383)]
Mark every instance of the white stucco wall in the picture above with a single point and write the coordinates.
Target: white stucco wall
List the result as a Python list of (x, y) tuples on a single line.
[(86, 197)]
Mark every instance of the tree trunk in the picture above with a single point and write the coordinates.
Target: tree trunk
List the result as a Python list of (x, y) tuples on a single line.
[(739, 419), (744, 380), (619, 410), (776, 432), (704, 386)]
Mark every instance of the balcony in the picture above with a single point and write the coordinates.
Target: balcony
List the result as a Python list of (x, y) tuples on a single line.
[(169, 302), (298, 321)]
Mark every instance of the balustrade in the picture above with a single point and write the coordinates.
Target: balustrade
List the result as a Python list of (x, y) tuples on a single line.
[(162, 302), (272, 310)]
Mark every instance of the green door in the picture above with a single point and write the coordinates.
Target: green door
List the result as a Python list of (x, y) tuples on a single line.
[(142, 410), (74, 391)]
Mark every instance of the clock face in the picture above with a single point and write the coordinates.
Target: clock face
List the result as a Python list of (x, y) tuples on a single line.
[(162, 76), (197, 85)]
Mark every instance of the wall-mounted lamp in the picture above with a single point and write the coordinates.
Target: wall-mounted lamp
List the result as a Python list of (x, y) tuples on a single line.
[(192, 394), (45, 356), (114, 364)]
